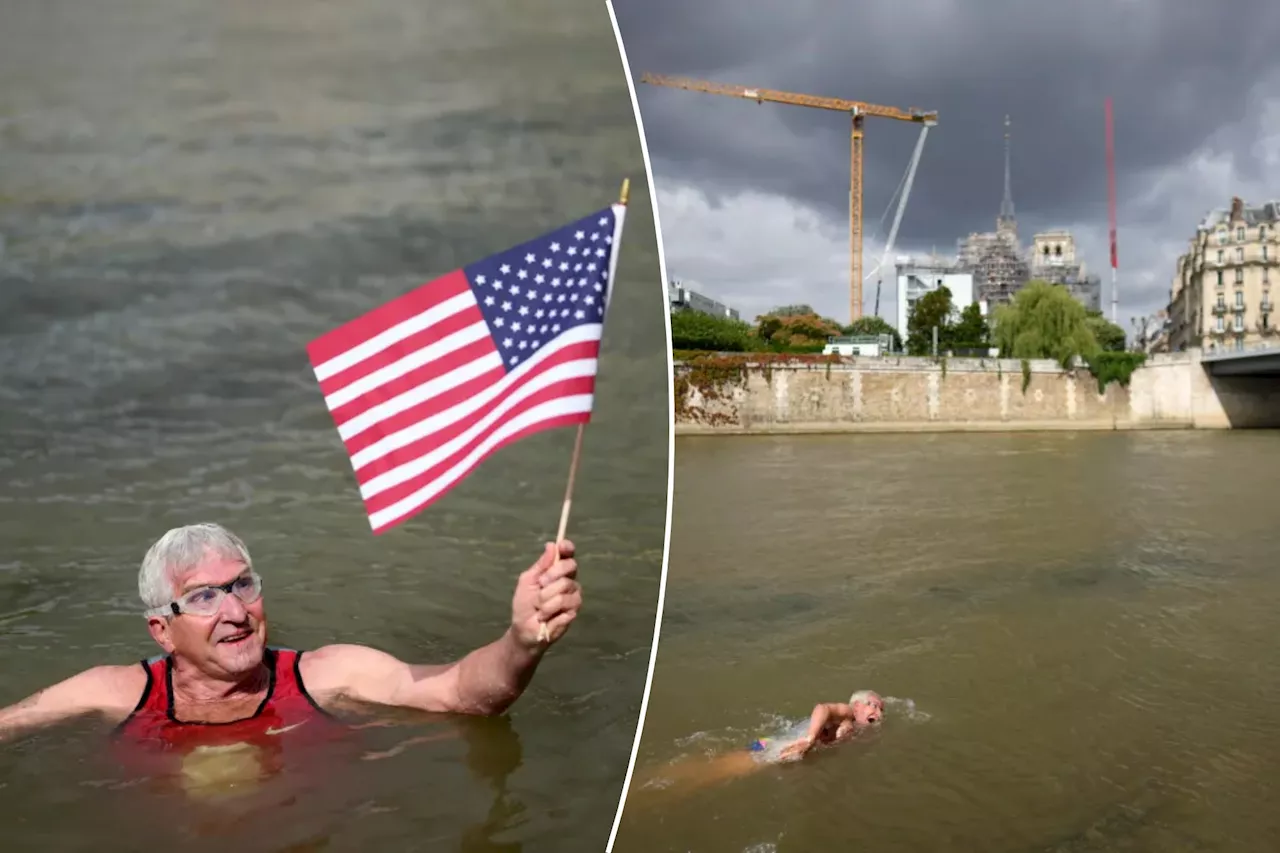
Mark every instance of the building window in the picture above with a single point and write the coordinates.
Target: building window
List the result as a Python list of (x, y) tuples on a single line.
[(1240, 254), (1240, 234), (1264, 252), (1239, 276), (1222, 236), (1221, 259), (1240, 342), (1238, 324), (1239, 298), (1266, 275), (1219, 278), (1262, 232), (1217, 322), (1222, 303)]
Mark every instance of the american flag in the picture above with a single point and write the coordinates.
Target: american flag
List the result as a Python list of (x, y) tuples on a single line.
[(426, 387)]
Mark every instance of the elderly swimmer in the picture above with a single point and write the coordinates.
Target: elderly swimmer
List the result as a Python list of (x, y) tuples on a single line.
[(830, 723)]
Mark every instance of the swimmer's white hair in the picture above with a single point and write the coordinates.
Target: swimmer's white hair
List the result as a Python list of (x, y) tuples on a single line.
[(179, 551), (863, 696)]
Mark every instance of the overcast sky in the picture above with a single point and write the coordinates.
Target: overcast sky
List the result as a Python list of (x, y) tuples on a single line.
[(754, 198)]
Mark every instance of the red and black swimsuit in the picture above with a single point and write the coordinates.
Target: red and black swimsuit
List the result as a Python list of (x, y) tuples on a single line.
[(287, 709)]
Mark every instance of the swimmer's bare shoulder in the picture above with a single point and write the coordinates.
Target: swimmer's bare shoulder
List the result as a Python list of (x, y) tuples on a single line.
[(110, 692)]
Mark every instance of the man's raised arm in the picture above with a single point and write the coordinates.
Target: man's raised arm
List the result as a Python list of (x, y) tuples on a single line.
[(484, 682)]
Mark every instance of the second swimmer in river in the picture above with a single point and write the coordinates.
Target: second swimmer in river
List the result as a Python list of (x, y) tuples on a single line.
[(830, 723)]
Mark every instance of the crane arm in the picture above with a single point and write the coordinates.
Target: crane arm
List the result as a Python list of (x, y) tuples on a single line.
[(777, 97), (902, 206)]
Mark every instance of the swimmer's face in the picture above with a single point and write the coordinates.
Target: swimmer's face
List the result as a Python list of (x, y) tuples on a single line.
[(226, 644), (868, 711)]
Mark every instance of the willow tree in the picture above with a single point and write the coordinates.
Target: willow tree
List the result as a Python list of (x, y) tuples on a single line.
[(1044, 321)]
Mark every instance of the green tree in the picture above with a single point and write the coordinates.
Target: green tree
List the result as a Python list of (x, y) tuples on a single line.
[(1044, 321), (932, 309), (697, 331), (971, 330), (1108, 335), (873, 325), (769, 326)]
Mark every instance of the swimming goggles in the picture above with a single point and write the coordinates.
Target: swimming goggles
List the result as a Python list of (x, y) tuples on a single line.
[(207, 600)]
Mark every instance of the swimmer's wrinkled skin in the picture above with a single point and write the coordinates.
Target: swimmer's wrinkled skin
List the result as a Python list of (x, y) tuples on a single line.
[(833, 722)]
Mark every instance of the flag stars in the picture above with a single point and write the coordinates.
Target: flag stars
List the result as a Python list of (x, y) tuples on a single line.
[(544, 288)]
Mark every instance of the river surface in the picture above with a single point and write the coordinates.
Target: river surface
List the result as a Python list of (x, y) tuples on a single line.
[(1076, 635), (189, 193)]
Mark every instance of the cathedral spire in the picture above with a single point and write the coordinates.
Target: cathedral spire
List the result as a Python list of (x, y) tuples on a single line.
[(1006, 221)]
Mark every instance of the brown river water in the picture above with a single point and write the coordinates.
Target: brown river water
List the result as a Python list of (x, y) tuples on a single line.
[(189, 193), (1076, 635)]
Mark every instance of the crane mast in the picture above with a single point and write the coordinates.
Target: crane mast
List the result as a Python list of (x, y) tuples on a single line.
[(858, 110)]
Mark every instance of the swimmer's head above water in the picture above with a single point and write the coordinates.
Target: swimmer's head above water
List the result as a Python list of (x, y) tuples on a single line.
[(867, 706)]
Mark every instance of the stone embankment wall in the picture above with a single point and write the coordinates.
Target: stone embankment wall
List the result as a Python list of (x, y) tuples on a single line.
[(808, 394)]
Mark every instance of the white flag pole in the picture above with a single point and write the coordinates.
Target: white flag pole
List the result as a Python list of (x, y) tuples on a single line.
[(544, 634)]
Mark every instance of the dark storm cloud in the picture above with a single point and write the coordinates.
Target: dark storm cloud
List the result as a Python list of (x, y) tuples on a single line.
[(1179, 72)]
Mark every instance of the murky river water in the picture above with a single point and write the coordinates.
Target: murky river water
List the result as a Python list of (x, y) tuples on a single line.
[(1078, 633), (189, 192)]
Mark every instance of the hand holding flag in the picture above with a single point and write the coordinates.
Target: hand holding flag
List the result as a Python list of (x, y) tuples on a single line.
[(547, 596)]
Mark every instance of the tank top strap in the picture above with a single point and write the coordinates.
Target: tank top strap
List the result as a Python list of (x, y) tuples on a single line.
[(288, 676), (155, 695)]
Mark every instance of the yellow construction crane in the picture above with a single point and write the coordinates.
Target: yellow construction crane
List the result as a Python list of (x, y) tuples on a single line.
[(858, 109)]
